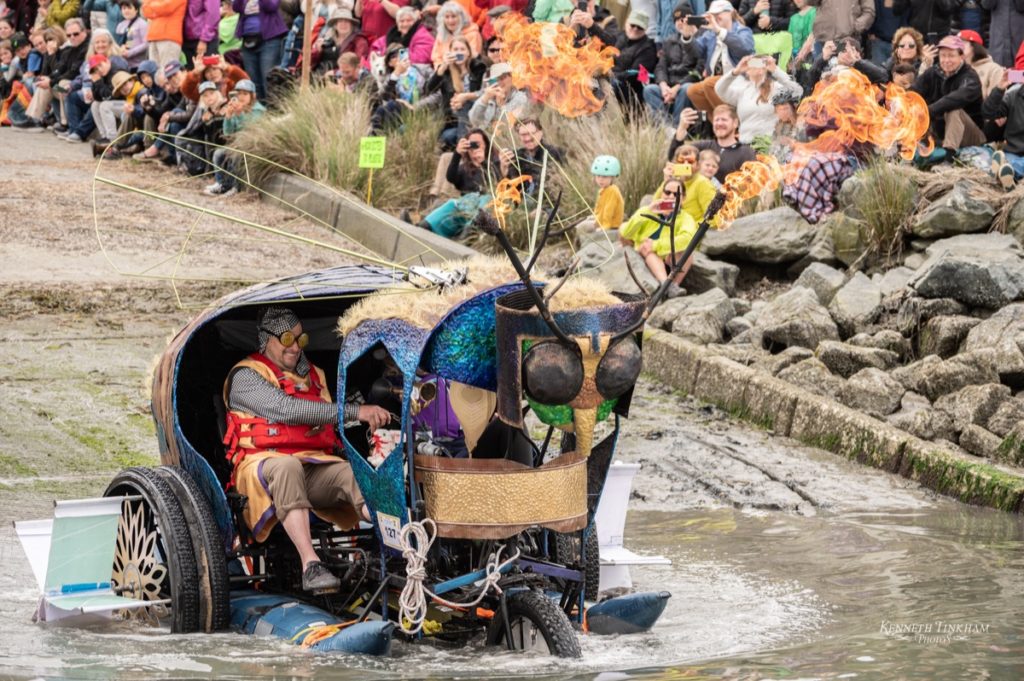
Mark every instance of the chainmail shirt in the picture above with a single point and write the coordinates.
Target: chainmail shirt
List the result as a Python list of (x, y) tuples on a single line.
[(250, 392)]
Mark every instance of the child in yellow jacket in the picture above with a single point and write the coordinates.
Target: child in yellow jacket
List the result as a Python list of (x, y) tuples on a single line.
[(610, 207)]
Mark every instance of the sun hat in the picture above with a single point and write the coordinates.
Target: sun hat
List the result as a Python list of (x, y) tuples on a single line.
[(639, 19), (720, 6), (342, 14), (120, 78)]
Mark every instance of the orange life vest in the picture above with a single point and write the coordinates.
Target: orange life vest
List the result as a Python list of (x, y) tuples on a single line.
[(247, 434)]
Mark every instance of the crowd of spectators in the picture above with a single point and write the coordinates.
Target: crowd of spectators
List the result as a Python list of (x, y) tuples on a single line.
[(724, 77)]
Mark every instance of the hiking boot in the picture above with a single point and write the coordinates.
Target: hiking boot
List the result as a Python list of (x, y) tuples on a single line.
[(318, 579)]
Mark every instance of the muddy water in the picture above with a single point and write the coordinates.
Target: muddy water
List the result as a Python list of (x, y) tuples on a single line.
[(787, 563)]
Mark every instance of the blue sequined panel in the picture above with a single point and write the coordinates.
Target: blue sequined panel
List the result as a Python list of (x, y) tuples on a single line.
[(383, 488), (462, 346)]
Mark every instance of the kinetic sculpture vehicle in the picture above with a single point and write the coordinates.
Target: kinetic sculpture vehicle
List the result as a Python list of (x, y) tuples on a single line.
[(489, 538)]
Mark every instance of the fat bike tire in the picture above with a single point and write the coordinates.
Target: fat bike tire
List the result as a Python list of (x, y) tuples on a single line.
[(567, 552), (154, 558), (536, 622), (208, 547)]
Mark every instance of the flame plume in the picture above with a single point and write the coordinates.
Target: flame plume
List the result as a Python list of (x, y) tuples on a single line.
[(848, 107), (506, 197), (543, 57)]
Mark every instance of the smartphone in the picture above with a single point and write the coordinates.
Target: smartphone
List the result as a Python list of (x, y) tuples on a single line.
[(756, 63), (682, 170), (1015, 76), (582, 5), (696, 20), (931, 38), (459, 58), (403, 54), (491, 81)]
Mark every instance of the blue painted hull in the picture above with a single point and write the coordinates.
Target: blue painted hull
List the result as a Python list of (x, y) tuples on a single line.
[(629, 614), (294, 621)]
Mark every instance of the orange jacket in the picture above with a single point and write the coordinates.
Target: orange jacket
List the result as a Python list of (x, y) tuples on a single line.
[(166, 19)]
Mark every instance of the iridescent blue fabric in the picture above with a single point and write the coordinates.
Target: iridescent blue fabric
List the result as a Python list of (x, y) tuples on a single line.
[(462, 346)]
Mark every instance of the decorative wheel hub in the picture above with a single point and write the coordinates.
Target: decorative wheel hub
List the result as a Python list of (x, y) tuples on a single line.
[(138, 572)]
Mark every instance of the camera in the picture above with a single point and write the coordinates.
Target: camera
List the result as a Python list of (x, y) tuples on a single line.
[(581, 5), (474, 145), (460, 58), (697, 20)]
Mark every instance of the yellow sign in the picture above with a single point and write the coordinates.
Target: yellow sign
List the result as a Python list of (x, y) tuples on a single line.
[(371, 152)]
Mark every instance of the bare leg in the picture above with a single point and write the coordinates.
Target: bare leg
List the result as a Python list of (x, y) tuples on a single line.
[(296, 524), (657, 266), (678, 279)]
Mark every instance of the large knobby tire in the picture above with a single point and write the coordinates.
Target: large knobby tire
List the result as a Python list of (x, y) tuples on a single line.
[(153, 557), (566, 550), (537, 623), (211, 561)]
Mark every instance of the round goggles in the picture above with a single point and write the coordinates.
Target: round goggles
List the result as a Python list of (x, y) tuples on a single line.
[(287, 338)]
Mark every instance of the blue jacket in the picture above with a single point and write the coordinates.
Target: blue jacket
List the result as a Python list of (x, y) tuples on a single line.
[(739, 42), (886, 22)]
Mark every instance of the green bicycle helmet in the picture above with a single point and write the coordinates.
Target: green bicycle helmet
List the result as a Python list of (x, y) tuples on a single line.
[(606, 166)]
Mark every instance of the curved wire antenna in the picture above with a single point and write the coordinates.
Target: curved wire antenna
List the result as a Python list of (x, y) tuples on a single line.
[(547, 232), (548, 295), (487, 224)]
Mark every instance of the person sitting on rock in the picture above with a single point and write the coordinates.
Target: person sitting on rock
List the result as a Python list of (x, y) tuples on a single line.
[(282, 441), (653, 241), (952, 91), (1007, 102)]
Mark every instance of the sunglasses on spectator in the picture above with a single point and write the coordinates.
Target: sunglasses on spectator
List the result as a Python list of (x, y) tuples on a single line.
[(287, 338), (493, 49), (907, 45), (639, 28), (675, 193), (74, 35)]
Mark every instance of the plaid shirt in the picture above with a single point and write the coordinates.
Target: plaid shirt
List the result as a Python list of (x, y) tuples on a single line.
[(813, 193)]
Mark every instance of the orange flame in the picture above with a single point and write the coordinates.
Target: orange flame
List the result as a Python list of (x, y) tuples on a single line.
[(848, 106), (543, 58), (749, 181), (506, 197)]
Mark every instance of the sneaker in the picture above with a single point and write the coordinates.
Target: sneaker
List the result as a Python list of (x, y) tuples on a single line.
[(318, 579), (998, 161), (674, 290), (214, 189), (72, 137), (1005, 176), (27, 124), (230, 192), (59, 129)]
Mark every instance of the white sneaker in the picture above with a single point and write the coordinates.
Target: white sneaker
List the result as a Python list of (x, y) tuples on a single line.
[(72, 137), (214, 189), (230, 192)]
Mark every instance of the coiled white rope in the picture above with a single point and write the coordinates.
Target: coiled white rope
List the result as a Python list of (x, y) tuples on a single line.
[(412, 602)]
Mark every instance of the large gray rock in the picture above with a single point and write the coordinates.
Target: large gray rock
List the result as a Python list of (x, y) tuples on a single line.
[(1007, 415), (979, 441), (847, 360), (795, 318), (706, 274), (703, 319), (822, 250), (1003, 332), (856, 305), (849, 237), (934, 377), (958, 212), (604, 261), (873, 392), (914, 260), (943, 335), (927, 424), (974, 404), (894, 281), (743, 307), (886, 339), (813, 376), (992, 242), (980, 270), (823, 280), (665, 314), (771, 237), (738, 325), (915, 311), (773, 364)]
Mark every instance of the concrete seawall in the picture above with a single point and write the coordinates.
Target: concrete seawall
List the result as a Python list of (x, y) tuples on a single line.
[(786, 410)]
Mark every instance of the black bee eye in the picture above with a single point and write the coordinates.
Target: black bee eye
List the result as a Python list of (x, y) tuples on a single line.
[(552, 373), (619, 368)]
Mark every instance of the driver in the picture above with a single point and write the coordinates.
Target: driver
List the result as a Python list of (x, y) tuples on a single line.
[(281, 439)]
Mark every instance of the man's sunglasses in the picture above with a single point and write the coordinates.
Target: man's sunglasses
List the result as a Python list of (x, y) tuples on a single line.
[(74, 35), (287, 338)]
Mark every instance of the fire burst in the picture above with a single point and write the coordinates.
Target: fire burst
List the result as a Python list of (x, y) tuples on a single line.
[(848, 108), (544, 59), (506, 197)]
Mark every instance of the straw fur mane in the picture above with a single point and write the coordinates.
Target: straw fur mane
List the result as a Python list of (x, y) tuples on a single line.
[(425, 308)]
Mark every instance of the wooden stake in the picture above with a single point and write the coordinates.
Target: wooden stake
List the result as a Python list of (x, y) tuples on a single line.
[(307, 39)]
